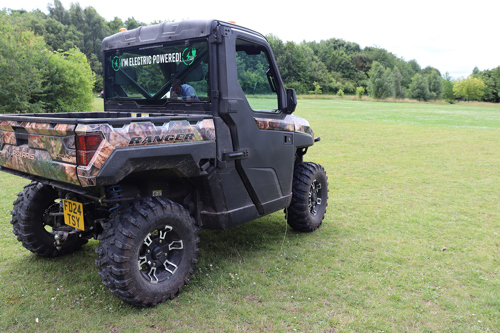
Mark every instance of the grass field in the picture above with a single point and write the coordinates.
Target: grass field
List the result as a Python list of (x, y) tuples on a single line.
[(410, 243)]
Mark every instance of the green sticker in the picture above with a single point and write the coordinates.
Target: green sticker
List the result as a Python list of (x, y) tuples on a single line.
[(115, 63), (188, 56)]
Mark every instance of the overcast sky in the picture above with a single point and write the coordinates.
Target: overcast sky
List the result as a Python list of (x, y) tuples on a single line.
[(452, 36)]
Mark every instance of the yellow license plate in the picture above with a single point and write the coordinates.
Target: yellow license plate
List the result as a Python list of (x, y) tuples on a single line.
[(73, 214)]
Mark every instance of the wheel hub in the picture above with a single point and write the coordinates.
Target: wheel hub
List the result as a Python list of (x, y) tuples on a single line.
[(314, 197), (160, 254)]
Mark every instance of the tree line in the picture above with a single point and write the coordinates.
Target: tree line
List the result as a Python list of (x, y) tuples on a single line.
[(335, 66), (57, 62)]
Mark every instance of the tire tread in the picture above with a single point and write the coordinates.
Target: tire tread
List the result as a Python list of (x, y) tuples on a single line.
[(299, 217)]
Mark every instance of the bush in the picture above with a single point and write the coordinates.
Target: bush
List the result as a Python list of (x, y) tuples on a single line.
[(317, 89), (22, 74), (360, 91), (340, 93), (300, 88), (33, 79), (72, 82)]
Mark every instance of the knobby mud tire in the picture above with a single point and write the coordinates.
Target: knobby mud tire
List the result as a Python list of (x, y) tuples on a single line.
[(147, 251), (309, 197), (29, 221)]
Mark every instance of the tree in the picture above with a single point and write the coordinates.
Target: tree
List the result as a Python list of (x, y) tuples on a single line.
[(396, 81), (71, 82), (491, 78), (316, 71), (419, 88), (76, 16), (382, 56), (132, 23), (339, 61), (61, 37), (22, 59), (58, 12), (116, 25), (34, 21), (44, 80), (448, 93), (414, 66), (380, 85), (469, 88), (428, 70), (95, 31), (96, 67), (435, 84), (292, 60)]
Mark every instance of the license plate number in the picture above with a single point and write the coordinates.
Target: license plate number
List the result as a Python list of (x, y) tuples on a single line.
[(73, 214)]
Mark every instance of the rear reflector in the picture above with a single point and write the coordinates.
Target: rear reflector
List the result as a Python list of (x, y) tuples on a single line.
[(86, 146)]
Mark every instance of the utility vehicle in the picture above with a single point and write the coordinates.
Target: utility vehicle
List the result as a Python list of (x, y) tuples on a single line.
[(197, 132)]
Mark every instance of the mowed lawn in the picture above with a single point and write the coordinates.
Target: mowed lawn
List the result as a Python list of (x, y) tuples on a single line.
[(411, 241)]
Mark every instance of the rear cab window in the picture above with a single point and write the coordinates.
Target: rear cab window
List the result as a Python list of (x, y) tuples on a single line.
[(158, 74)]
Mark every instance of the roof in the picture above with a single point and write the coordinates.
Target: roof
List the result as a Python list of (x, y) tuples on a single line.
[(165, 32)]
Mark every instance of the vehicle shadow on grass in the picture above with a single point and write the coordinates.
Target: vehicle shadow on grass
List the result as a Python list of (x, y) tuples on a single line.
[(266, 233)]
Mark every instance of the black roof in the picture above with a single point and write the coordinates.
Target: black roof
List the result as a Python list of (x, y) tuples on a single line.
[(165, 32)]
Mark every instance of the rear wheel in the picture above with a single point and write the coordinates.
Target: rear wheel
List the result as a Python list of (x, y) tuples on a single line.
[(37, 218), (147, 251), (309, 197)]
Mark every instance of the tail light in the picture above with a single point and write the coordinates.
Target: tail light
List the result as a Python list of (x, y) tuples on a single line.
[(86, 146)]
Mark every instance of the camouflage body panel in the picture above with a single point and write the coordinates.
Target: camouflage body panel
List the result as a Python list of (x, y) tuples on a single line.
[(291, 123), (144, 133), (37, 162), (51, 150), (7, 125), (60, 149), (8, 138), (49, 129)]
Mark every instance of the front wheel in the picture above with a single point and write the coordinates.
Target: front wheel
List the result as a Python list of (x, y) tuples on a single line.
[(309, 197), (147, 251)]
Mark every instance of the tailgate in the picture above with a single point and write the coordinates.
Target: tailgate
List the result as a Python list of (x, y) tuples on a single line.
[(42, 149), (48, 149)]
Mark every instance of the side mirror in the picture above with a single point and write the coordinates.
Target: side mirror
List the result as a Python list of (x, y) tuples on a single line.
[(291, 100)]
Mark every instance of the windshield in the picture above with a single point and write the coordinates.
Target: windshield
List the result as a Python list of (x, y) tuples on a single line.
[(158, 73)]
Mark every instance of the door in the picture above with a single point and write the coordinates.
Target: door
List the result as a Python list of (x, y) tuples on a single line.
[(264, 155)]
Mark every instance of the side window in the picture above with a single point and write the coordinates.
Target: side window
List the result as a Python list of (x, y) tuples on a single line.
[(256, 76)]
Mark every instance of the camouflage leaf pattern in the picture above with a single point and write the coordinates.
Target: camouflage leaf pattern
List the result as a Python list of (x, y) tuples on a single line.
[(149, 134), (51, 151)]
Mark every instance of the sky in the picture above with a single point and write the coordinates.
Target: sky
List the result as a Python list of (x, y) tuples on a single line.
[(452, 36)]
